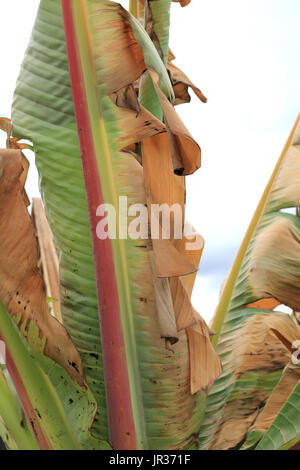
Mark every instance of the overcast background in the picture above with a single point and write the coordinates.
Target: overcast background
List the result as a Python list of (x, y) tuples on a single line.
[(244, 56)]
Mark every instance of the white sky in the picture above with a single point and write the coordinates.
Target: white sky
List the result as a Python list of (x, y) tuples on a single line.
[(244, 56)]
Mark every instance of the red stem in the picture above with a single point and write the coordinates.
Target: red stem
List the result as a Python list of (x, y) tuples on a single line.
[(29, 411), (120, 414), (296, 446)]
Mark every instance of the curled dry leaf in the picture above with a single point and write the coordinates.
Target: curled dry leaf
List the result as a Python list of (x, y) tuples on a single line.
[(184, 312), (265, 304), (191, 247), (169, 262), (13, 143), (186, 153), (257, 356), (274, 270), (181, 84), (49, 262), (125, 61), (183, 3), (165, 309), (205, 364), (137, 122), (165, 188), (22, 289), (290, 378), (131, 50), (179, 265), (162, 185)]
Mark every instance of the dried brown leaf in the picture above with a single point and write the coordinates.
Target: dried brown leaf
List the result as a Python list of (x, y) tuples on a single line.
[(185, 152), (169, 262), (183, 3), (48, 257), (264, 304), (164, 304), (162, 185), (257, 349), (184, 312), (192, 255), (125, 61), (181, 84), (22, 289), (274, 270), (205, 364), (137, 123)]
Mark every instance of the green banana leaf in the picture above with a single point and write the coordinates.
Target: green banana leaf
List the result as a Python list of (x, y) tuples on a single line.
[(43, 113), (284, 432)]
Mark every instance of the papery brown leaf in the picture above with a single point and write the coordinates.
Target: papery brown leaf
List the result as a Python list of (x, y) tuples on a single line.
[(131, 150), (137, 122), (171, 56), (274, 270), (164, 187), (205, 364), (49, 262), (257, 350), (13, 143), (265, 304), (181, 84), (193, 255), (288, 381), (165, 309), (186, 153), (125, 61), (126, 97), (169, 262), (184, 312), (22, 289), (183, 3)]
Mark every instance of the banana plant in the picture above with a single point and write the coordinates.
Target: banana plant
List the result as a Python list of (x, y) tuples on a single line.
[(109, 352), (95, 100)]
